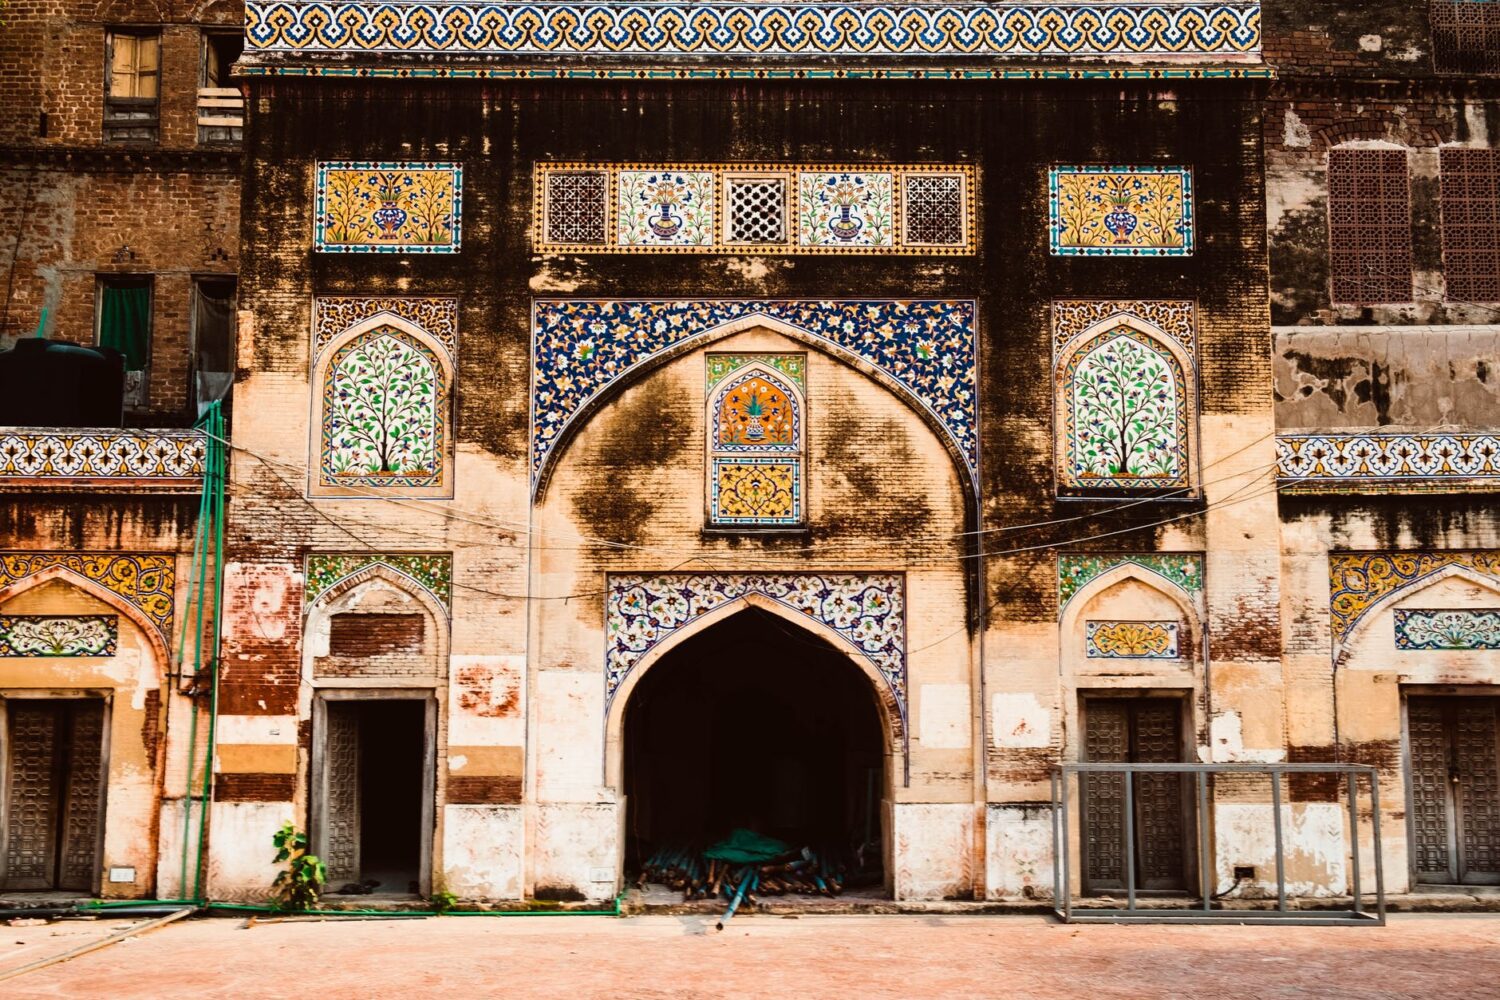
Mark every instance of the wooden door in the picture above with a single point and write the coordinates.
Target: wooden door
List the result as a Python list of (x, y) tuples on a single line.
[(1455, 789), (1142, 731), (339, 847), (55, 780)]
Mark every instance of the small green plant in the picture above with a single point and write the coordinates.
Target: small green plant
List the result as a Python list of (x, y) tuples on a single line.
[(442, 901), (299, 884)]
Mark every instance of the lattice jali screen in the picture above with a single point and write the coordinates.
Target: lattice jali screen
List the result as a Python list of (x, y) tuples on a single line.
[(1471, 223), (1369, 226), (1465, 36)]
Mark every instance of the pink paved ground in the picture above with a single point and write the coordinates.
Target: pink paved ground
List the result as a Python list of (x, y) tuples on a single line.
[(580, 958)]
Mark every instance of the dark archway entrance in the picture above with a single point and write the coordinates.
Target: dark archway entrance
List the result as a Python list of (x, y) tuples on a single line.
[(757, 724)]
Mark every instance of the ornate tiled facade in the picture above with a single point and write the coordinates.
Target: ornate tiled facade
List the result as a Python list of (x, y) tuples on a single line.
[(1122, 211), (755, 418), (771, 207), (372, 207), (582, 347), (1359, 580), (1453, 629), (659, 30), (1076, 570), (1125, 401), (1386, 462), (334, 314), (1131, 640), (142, 580), (59, 635), (867, 609), (433, 572), (756, 491), (101, 457)]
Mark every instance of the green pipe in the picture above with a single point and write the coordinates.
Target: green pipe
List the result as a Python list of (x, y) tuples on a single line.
[(252, 908), (217, 465), (200, 557), (116, 904)]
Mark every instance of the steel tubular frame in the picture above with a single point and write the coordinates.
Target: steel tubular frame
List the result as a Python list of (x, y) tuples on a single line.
[(1206, 909)]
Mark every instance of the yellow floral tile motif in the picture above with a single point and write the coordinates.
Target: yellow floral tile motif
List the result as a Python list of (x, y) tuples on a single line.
[(372, 207), (1121, 211), (1131, 640), (756, 491), (1357, 581), (144, 580)]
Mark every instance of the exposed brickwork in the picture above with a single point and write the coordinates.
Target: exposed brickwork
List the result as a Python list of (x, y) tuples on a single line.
[(483, 790), (254, 787)]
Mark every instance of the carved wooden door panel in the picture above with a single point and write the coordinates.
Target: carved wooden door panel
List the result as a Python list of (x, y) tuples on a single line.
[(341, 793), (55, 769), (1455, 775), (1143, 731)]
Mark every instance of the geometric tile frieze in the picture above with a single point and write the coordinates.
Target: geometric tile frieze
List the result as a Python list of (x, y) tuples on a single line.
[(101, 456), (1120, 211), (1452, 629), (772, 208), (59, 635), (333, 314), (1357, 581), (376, 207), (582, 347), (1388, 461), (923, 31), (143, 580)]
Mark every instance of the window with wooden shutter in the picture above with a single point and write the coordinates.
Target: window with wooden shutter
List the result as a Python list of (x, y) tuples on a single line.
[(1471, 224), (133, 73), (1369, 226)]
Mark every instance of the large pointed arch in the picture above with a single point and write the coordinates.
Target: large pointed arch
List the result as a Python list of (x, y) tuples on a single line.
[(150, 629), (584, 352)]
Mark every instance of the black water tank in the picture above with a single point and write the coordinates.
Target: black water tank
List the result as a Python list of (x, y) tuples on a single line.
[(56, 383)]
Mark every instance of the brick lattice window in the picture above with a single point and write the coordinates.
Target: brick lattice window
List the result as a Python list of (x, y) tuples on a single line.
[(935, 209), (1369, 226), (1471, 224), (757, 210), (1466, 36)]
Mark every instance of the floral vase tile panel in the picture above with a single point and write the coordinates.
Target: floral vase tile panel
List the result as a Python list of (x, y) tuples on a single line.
[(432, 571), (793, 366), (371, 207), (1455, 629), (1119, 640), (1103, 211), (767, 208), (1174, 318), (866, 609), (1076, 570), (846, 209), (143, 580), (925, 349), (1357, 581), (665, 208), (754, 412), (384, 413), (662, 34), (334, 314), (756, 491), (59, 635), (1125, 415)]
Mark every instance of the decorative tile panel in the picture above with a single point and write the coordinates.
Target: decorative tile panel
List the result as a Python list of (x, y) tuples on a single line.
[(59, 635), (1131, 640), (793, 366), (1076, 570), (756, 491), (145, 581), (334, 314), (934, 71), (1385, 462), (1125, 211), (1176, 318), (1357, 581), (773, 207), (384, 413), (867, 609), (1455, 629), (371, 207), (432, 572), (582, 347), (662, 31), (753, 412), (101, 457)]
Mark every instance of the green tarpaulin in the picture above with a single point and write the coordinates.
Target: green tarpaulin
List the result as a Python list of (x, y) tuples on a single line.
[(125, 322), (744, 847)]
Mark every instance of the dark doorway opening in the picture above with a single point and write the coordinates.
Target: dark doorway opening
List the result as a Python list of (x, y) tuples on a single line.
[(54, 764), (760, 725), (1455, 789), (373, 795), (1135, 730)]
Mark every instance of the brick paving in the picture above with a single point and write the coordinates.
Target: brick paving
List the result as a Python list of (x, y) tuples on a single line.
[(580, 958)]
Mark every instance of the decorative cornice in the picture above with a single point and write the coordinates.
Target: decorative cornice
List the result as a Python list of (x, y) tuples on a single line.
[(651, 30), (662, 71), (129, 159), (107, 458), (1360, 463)]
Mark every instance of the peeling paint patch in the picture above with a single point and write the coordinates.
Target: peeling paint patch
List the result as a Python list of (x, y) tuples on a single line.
[(1226, 736), (1019, 720)]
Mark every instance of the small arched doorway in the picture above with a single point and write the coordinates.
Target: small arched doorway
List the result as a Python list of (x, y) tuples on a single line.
[(756, 723)]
